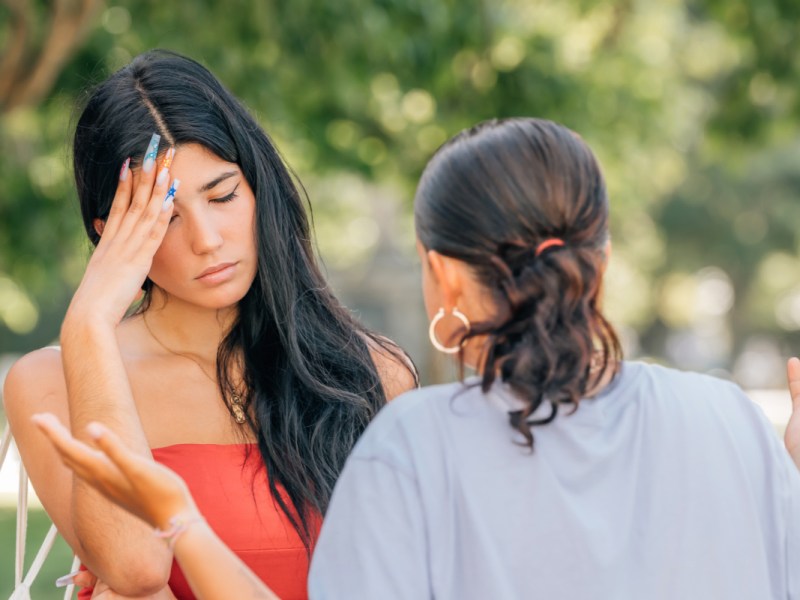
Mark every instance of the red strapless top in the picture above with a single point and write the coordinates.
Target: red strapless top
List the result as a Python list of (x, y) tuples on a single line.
[(242, 512)]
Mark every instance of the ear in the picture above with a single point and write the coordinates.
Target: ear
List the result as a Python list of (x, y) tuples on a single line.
[(99, 226), (448, 273)]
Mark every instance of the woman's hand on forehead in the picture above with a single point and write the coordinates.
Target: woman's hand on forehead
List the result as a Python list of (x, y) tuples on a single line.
[(135, 228)]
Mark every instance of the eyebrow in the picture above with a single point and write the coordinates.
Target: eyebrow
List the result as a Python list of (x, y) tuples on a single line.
[(217, 180)]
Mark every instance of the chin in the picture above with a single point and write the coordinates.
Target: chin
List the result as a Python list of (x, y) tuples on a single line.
[(219, 301), (214, 299)]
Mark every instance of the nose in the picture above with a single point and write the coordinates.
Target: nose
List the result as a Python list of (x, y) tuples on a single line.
[(204, 234)]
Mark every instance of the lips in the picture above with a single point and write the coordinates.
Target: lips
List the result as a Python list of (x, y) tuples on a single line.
[(215, 269)]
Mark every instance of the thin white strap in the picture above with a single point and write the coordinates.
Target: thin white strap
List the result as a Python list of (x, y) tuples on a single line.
[(22, 523), (5, 444), (71, 587), (21, 588), (21, 593), (44, 550)]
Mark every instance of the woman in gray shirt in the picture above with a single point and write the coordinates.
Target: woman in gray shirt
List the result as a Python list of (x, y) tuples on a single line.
[(560, 471)]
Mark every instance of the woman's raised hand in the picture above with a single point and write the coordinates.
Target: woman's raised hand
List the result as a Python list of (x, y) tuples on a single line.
[(135, 228), (144, 488)]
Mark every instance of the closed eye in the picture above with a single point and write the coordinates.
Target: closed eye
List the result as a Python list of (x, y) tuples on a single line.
[(227, 198)]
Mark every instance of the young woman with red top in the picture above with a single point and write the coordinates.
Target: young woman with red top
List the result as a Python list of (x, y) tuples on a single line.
[(238, 369)]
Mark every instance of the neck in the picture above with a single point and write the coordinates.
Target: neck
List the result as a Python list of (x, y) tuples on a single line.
[(187, 328), (475, 358)]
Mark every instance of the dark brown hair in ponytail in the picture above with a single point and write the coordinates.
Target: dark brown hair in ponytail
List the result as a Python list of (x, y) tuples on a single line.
[(490, 197)]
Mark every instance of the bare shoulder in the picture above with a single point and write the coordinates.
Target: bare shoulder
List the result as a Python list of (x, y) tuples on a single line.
[(395, 368), (35, 383)]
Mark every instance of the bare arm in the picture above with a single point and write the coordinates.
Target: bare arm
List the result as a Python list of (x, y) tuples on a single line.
[(197, 548), (94, 386), (34, 384), (118, 549), (157, 496)]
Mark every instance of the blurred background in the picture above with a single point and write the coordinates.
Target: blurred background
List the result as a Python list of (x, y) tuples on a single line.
[(692, 107)]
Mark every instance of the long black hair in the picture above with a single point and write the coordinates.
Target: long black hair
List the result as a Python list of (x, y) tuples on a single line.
[(490, 197), (312, 385)]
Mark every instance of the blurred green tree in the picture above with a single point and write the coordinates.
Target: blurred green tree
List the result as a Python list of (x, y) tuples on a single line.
[(691, 106)]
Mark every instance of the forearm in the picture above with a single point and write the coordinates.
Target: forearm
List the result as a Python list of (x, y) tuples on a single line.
[(116, 546), (97, 382), (213, 571)]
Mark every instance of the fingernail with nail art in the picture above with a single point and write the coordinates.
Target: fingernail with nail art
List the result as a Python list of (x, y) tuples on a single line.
[(123, 172), (168, 156), (151, 154), (170, 197), (67, 579)]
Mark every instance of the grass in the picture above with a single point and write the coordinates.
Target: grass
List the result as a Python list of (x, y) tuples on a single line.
[(57, 564)]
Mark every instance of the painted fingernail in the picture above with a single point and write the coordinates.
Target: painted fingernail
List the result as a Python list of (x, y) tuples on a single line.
[(67, 579), (151, 154), (165, 165), (170, 197), (123, 172), (168, 156), (163, 175)]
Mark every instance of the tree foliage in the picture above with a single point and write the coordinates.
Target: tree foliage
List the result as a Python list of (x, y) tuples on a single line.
[(691, 105)]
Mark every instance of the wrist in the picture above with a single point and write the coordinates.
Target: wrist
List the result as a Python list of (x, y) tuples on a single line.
[(86, 309), (176, 526), (81, 324), (181, 510)]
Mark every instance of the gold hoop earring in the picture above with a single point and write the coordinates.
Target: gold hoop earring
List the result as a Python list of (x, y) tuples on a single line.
[(432, 330)]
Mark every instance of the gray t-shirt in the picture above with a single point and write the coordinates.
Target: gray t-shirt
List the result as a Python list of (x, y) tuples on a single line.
[(668, 485)]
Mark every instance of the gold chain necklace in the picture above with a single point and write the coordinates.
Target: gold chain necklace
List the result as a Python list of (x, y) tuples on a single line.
[(237, 404)]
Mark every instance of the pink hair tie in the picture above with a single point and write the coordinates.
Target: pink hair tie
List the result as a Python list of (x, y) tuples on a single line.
[(549, 243)]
